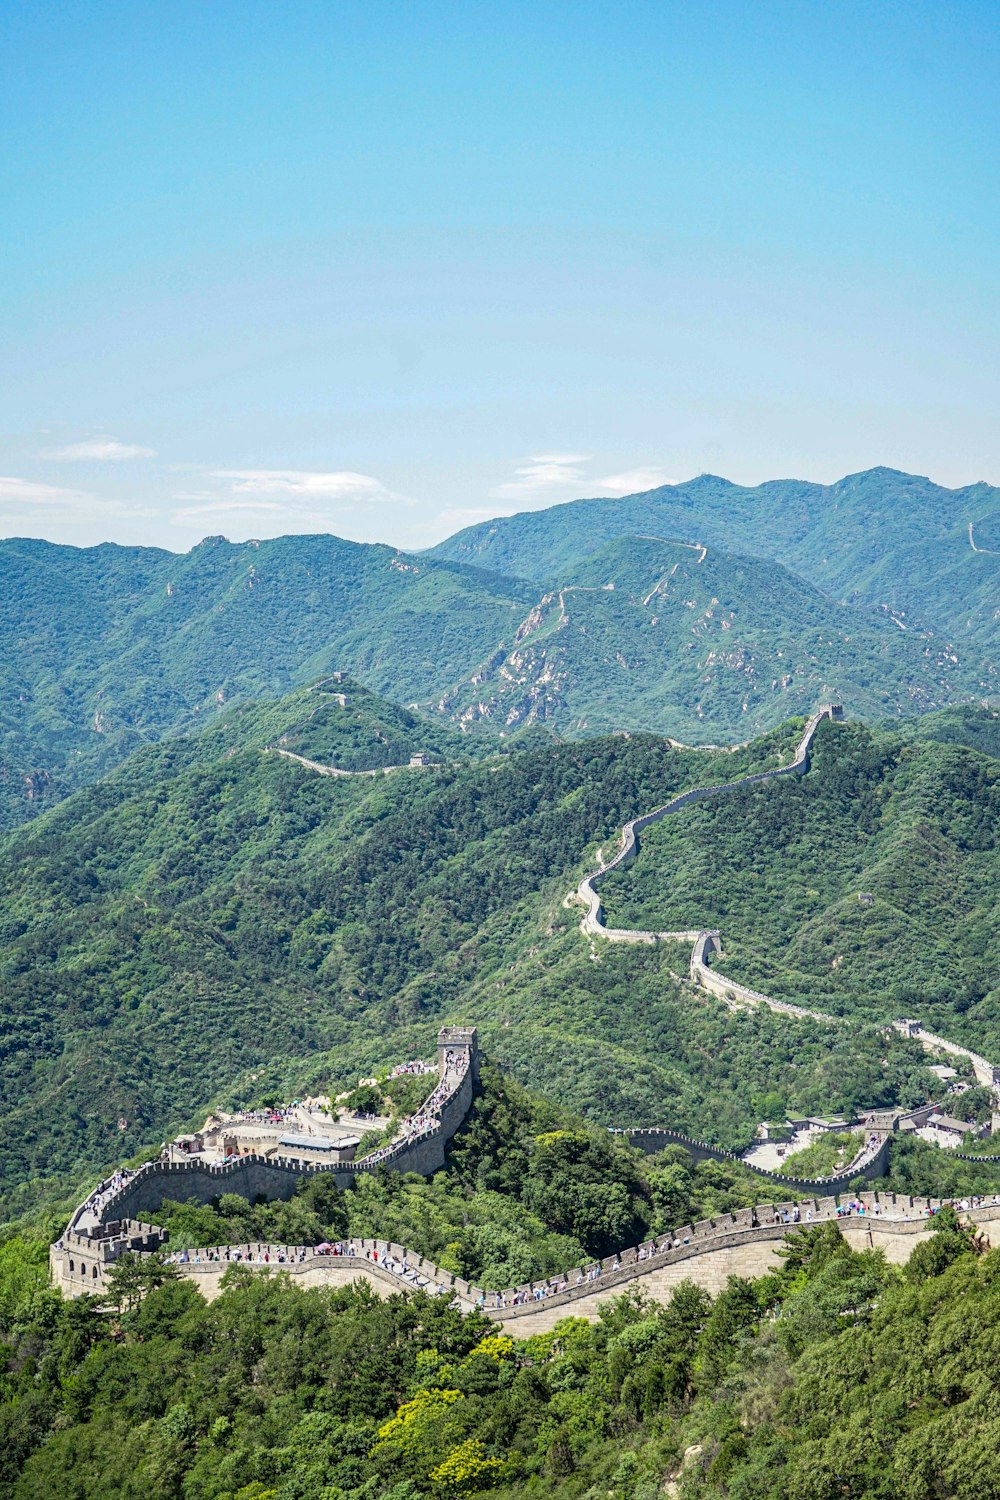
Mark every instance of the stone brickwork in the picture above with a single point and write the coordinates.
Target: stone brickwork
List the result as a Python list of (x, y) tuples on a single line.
[(870, 1162), (110, 1222), (743, 1243), (593, 922)]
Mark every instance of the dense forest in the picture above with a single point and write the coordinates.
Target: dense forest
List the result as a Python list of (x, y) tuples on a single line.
[(275, 1392), (780, 869), (800, 598), (834, 1375), (895, 541), (214, 923)]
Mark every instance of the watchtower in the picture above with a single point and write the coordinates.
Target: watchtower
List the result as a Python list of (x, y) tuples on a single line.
[(453, 1041)]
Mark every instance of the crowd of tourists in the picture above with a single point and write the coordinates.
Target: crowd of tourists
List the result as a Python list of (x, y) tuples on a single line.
[(282, 1255), (427, 1118), (103, 1193)]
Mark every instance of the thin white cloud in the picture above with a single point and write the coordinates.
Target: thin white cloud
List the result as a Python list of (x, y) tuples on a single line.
[(561, 476), (543, 475), (272, 501), (22, 492), (227, 507), (633, 481), (341, 485), (102, 450), (30, 505)]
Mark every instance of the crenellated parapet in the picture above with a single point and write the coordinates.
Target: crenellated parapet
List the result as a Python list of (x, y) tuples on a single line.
[(587, 891), (737, 1237), (113, 1219), (871, 1160)]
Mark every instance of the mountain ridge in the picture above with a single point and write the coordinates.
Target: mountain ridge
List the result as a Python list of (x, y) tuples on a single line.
[(106, 648)]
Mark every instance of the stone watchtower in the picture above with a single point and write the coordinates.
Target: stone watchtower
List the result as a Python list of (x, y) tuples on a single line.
[(458, 1040)]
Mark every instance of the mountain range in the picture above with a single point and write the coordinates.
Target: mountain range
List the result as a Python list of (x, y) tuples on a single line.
[(707, 612), (924, 553), (216, 921)]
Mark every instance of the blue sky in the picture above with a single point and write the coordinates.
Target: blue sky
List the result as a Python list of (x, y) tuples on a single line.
[(383, 269)]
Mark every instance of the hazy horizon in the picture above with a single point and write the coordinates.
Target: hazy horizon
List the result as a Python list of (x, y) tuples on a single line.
[(499, 515), (384, 274)]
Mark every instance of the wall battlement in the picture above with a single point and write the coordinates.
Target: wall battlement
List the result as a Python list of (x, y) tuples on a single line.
[(870, 1162), (744, 1242), (110, 1221)]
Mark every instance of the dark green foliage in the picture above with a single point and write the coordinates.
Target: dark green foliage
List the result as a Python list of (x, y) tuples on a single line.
[(836, 1374), (366, 1099), (105, 648), (188, 930), (780, 868), (191, 932)]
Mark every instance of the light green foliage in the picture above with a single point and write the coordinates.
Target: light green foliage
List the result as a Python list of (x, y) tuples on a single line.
[(829, 1154), (246, 929), (880, 537)]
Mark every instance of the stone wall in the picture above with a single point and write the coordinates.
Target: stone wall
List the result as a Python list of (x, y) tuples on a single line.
[(733, 994), (593, 922), (866, 1165), (111, 1221), (745, 1243)]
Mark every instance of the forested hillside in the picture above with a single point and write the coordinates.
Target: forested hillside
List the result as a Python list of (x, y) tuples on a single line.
[(106, 647), (197, 929), (835, 1375), (881, 537), (651, 634), (875, 591), (913, 824)]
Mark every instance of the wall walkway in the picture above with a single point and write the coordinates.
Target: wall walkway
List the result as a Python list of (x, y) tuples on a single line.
[(870, 1161), (707, 941), (744, 1243)]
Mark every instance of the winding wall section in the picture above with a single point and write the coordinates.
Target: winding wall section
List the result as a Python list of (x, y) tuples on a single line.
[(745, 1243), (587, 891)]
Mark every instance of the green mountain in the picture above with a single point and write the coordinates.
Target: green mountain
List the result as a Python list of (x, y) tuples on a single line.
[(215, 922), (107, 648), (966, 724), (911, 823), (104, 648), (928, 555), (335, 722), (648, 633)]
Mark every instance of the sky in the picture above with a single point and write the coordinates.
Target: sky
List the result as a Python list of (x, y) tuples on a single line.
[(385, 269)]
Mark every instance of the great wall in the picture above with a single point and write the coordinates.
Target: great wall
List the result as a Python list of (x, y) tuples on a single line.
[(747, 1242), (117, 1220), (108, 1224), (706, 941)]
